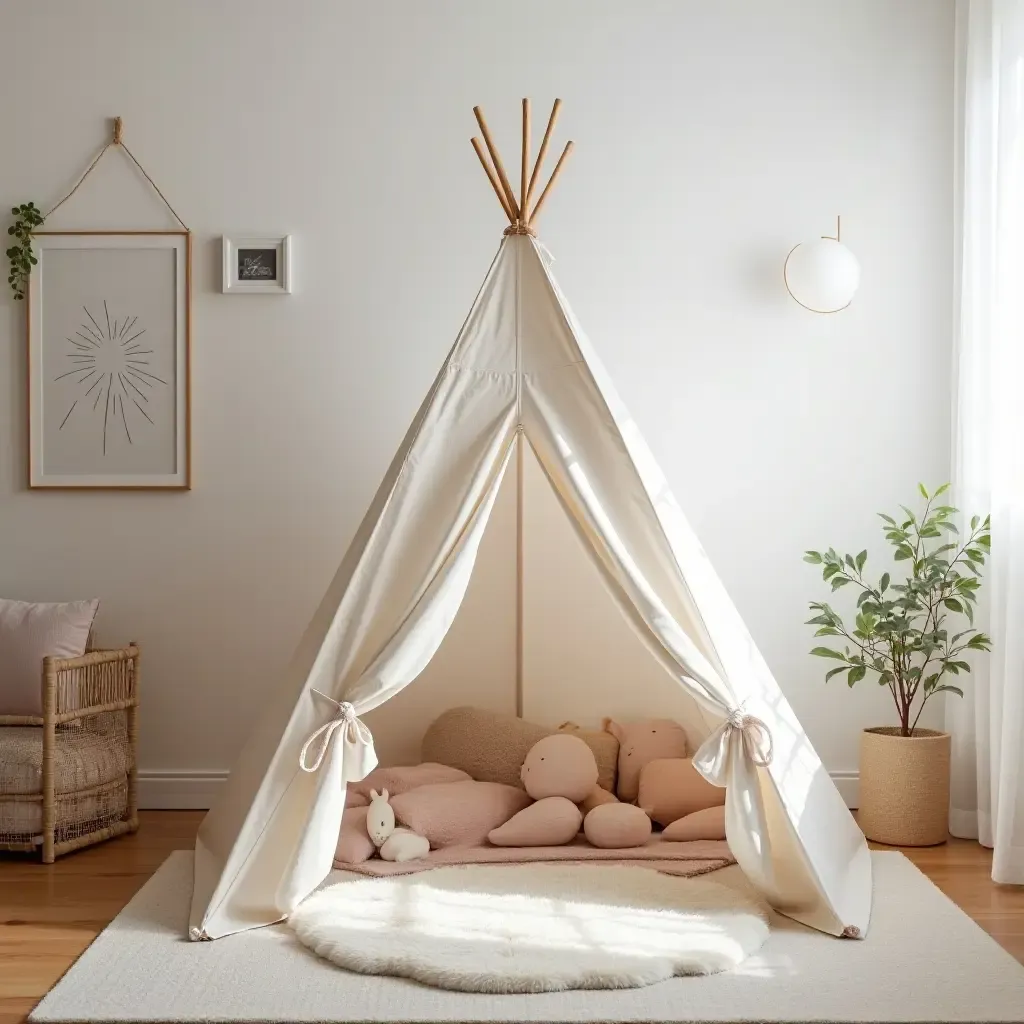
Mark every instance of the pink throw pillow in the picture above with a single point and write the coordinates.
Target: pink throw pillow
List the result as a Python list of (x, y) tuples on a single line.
[(553, 821), (639, 744), (617, 826), (458, 813), (671, 788), (706, 824), (30, 632), (400, 779), (354, 843)]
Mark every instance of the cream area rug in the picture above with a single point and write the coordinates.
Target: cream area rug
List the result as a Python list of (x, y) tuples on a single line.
[(922, 960), (533, 927)]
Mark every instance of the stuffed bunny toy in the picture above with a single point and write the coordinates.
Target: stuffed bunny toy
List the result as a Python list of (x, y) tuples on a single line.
[(397, 844)]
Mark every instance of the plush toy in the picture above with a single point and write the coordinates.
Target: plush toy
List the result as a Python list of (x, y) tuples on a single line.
[(397, 844), (560, 773), (640, 743)]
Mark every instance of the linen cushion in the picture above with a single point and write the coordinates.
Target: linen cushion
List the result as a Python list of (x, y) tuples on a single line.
[(30, 632), (639, 744), (491, 746), (553, 821), (670, 788), (400, 779), (706, 824), (458, 813), (617, 826), (354, 843)]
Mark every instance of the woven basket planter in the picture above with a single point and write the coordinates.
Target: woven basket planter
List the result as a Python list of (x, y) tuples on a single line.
[(904, 786)]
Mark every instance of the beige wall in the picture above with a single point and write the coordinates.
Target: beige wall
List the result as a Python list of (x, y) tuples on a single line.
[(710, 138)]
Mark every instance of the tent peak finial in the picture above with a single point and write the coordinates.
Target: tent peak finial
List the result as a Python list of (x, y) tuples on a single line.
[(520, 215)]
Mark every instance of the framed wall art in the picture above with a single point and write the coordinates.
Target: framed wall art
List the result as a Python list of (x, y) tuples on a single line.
[(108, 357), (257, 265)]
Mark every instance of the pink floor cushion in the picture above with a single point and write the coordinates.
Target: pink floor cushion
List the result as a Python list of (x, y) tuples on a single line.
[(400, 780), (672, 788), (354, 843), (639, 744), (458, 813), (617, 826), (553, 821), (706, 824)]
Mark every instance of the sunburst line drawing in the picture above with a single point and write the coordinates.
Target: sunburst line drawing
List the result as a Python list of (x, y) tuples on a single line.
[(113, 356)]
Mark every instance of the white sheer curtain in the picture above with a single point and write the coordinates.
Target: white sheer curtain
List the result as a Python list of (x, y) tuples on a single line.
[(988, 725)]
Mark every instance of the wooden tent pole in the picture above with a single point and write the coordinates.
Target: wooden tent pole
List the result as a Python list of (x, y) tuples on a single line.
[(542, 152), (492, 178), (520, 603), (552, 179), (498, 165), (524, 187)]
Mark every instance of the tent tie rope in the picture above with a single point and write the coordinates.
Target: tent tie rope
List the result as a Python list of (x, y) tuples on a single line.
[(756, 736), (344, 717)]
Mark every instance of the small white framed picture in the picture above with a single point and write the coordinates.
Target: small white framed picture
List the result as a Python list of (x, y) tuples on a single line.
[(257, 265)]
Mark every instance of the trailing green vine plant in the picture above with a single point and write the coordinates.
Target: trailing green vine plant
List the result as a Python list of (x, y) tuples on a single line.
[(27, 218), (900, 631)]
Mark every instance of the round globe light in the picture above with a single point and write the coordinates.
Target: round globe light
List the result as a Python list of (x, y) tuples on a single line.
[(823, 275)]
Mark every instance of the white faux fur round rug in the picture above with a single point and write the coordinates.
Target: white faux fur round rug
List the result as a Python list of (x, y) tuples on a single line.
[(532, 927)]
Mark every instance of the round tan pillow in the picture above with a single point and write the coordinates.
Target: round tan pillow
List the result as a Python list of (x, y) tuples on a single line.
[(554, 821), (617, 826), (671, 788), (491, 746), (559, 765)]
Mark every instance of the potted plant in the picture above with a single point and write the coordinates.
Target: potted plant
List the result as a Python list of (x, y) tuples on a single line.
[(904, 638)]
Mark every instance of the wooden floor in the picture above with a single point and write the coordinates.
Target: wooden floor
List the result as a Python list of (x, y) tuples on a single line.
[(48, 915)]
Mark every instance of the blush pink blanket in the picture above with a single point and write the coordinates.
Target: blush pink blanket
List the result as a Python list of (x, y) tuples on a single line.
[(693, 858)]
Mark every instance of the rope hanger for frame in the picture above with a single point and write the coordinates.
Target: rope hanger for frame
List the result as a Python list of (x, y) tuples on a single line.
[(118, 141)]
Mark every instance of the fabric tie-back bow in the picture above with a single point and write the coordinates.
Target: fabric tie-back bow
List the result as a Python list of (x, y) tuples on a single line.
[(712, 758), (344, 718), (757, 737)]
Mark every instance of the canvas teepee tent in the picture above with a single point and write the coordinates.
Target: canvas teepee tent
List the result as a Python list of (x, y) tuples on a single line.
[(521, 371)]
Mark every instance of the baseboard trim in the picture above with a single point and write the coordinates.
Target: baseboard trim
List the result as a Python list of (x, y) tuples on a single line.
[(167, 790), (848, 784), (178, 790)]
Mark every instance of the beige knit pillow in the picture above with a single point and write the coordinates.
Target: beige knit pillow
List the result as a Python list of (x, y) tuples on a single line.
[(491, 746), (30, 632)]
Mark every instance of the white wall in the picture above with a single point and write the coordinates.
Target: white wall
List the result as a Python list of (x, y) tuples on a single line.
[(710, 138)]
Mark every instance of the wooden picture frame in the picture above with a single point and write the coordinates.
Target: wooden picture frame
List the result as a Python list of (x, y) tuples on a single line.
[(105, 305)]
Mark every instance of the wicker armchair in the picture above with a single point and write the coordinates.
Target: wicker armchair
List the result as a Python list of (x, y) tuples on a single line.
[(70, 778)]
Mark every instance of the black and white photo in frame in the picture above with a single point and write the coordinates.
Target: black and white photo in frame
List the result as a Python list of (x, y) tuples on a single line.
[(108, 358), (257, 265)]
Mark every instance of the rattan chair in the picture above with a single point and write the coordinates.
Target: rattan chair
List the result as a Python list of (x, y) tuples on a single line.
[(69, 779)]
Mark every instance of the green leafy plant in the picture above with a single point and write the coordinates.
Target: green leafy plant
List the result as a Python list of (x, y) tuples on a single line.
[(900, 632), (26, 218)]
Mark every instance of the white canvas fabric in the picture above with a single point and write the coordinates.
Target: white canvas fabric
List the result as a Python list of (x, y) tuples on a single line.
[(521, 371)]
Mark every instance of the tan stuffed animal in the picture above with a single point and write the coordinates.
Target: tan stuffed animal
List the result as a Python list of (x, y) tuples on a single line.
[(560, 773), (641, 743)]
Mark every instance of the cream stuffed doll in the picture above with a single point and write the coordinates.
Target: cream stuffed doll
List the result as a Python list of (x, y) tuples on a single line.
[(397, 844), (560, 773)]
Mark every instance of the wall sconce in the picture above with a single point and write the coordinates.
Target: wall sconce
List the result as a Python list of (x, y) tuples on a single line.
[(823, 275)]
